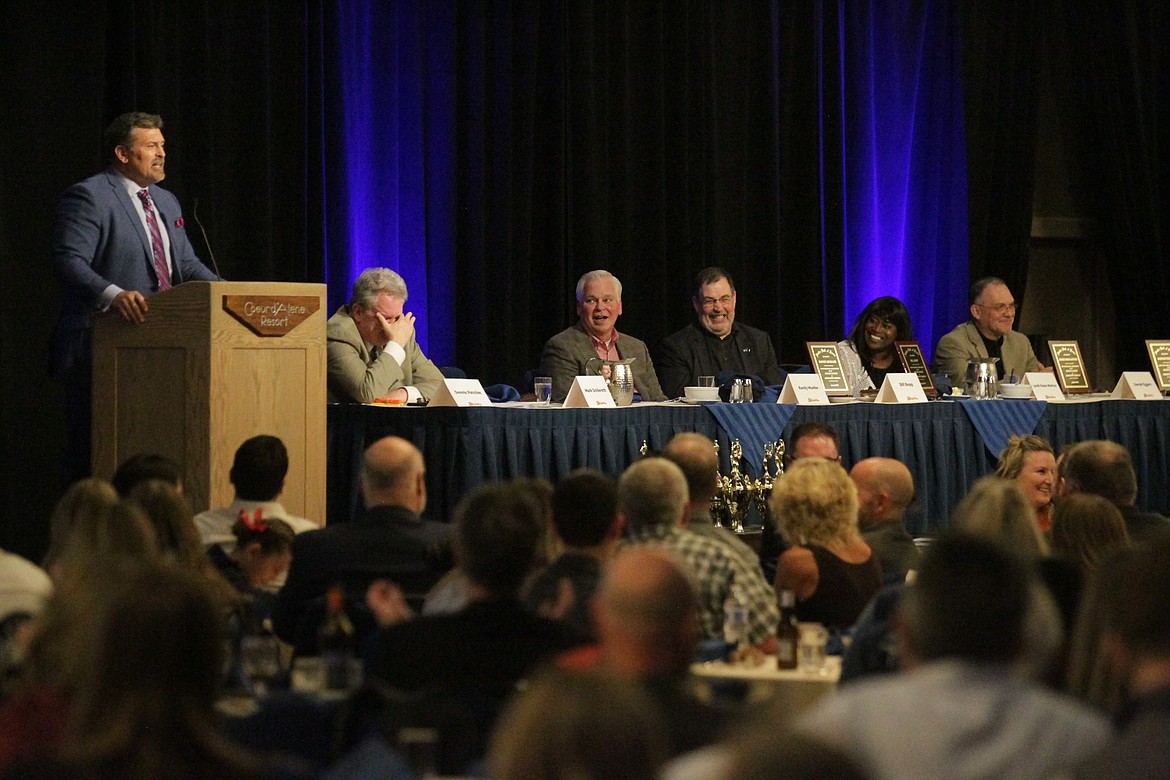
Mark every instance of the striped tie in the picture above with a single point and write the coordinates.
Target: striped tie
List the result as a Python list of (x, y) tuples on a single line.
[(156, 245)]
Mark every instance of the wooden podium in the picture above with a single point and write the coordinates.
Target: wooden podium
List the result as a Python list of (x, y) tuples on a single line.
[(214, 364)]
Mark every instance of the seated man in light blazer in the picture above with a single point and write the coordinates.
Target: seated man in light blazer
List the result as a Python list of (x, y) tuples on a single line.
[(371, 346), (594, 335), (987, 334), (118, 238)]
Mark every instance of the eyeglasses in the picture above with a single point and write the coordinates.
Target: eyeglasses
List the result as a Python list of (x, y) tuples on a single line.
[(722, 300), (999, 308)]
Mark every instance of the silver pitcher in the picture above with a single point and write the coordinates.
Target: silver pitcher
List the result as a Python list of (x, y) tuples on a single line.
[(619, 376), (982, 378)]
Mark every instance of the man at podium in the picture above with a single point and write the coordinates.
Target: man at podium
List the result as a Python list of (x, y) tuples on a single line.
[(371, 345), (117, 238)]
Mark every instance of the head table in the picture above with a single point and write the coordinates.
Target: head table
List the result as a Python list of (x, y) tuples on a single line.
[(947, 445)]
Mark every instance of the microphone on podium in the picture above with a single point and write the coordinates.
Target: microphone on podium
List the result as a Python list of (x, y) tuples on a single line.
[(210, 254)]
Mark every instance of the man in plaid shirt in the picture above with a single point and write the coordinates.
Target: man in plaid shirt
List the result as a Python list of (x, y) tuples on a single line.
[(653, 499)]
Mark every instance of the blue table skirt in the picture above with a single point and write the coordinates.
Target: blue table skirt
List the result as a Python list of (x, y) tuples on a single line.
[(937, 441)]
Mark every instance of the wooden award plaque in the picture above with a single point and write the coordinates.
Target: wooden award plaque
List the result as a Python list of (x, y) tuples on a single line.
[(1070, 366)]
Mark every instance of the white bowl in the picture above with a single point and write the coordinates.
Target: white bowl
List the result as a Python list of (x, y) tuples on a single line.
[(701, 393), (1008, 390)]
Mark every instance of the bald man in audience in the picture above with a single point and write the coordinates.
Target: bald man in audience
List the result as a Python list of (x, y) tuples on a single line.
[(647, 619), (388, 540), (1105, 468), (884, 489), (652, 499)]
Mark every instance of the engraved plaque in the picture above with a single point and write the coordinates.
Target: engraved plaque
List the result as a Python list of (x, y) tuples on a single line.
[(1070, 366), (1159, 350), (910, 355), (826, 361)]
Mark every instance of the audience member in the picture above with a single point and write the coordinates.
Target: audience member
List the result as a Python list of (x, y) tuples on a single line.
[(998, 508), (595, 337), (1133, 646), (102, 551), (146, 466), (388, 540), (696, 455), (372, 348), (450, 593), (1105, 468), (147, 707), (82, 501), (647, 618), (813, 440), (1030, 461), (652, 498), (960, 709), (765, 749), (988, 334), (258, 472), (475, 657), (178, 541), (24, 586), (261, 555), (884, 489), (715, 344), (869, 352), (829, 567), (585, 518), (1087, 529), (807, 440), (580, 725)]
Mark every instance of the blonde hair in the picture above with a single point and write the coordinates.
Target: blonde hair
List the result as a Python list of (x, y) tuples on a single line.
[(1011, 460), (815, 503), (997, 508)]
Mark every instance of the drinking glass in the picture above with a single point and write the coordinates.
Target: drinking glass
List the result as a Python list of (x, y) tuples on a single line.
[(811, 649), (260, 663), (542, 388)]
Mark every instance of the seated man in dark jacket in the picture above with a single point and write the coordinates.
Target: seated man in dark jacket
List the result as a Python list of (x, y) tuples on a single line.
[(388, 541), (715, 344)]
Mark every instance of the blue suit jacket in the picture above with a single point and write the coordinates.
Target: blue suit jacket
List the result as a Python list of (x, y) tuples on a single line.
[(99, 240)]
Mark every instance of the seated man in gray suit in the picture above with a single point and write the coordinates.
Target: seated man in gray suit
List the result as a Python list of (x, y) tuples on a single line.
[(987, 334), (566, 355), (371, 345)]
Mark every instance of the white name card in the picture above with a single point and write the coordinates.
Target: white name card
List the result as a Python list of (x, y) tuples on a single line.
[(1138, 385), (803, 389), (1044, 386), (460, 392), (901, 389), (589, 392)]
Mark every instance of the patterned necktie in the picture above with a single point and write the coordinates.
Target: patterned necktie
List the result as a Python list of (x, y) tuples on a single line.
[(156, 244)]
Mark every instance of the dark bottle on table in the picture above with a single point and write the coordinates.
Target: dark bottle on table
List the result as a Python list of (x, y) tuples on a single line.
[(335, 640), (787, 632)]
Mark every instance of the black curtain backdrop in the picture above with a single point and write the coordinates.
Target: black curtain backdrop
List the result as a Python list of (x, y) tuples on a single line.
[(650, 139), (1112, 66), (1001, 91)]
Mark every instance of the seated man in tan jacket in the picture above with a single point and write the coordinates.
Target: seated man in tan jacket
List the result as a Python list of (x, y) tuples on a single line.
[(371, 346), (987, 334)]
